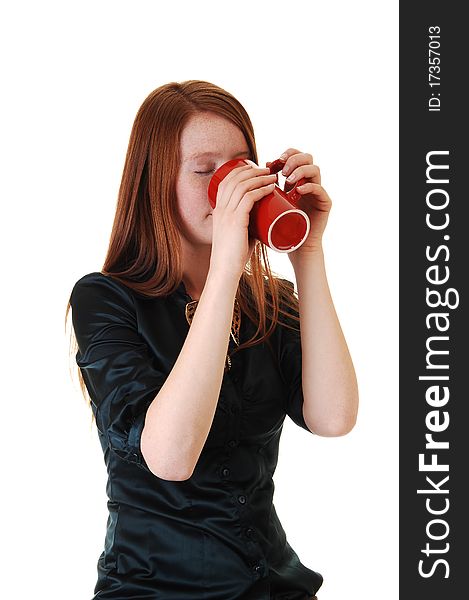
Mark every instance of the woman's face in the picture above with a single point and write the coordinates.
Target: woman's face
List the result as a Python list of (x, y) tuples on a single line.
[(207, 141)]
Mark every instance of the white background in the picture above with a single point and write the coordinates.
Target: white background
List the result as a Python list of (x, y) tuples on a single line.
[(318, 76)]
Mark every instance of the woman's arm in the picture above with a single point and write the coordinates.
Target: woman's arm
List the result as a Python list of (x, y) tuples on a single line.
[(330, 388), (178, 420), (329, 383)]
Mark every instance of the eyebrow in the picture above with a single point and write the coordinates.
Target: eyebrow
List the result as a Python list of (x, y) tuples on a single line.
[(211, 154)]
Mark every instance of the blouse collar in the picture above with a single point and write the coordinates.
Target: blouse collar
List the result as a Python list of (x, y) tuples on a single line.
[(181, 289)]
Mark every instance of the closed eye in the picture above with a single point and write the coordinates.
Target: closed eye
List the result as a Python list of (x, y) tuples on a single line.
[(204, 172)]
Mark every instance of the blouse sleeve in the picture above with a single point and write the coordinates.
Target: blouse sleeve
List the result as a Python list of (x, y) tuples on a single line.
[(291, 368), (116, 363)]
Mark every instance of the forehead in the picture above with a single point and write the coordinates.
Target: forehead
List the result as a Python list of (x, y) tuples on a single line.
[(207, 135)]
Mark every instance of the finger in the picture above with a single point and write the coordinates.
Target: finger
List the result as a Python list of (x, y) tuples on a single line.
[(238, 187), (294, 161), (306, 172), (238, 174), (235, 172), (238, 171), (316, 190), (289, 152), (251, 162), (310, 188), (248, 200), (263, 182)]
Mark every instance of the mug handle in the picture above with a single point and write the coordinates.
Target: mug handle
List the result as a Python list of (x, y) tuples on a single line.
[(275, 167)]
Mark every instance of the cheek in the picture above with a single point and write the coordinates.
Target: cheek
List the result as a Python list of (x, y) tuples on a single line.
[(192, 198)]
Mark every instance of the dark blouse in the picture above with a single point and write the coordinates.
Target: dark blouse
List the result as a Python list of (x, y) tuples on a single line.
[(216, 535)]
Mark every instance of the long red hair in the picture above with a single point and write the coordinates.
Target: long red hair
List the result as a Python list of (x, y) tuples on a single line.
[(144, 247)]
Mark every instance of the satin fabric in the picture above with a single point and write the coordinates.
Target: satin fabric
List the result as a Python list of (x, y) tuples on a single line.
[(215, 536)]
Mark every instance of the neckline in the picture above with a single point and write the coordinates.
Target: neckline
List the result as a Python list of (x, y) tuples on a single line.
[(182, 289)]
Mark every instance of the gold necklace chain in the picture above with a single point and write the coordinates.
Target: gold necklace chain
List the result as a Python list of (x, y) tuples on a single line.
[(235, 324)]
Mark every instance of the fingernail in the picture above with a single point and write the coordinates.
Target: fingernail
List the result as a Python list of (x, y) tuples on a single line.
[(283, 156), (291, 177)]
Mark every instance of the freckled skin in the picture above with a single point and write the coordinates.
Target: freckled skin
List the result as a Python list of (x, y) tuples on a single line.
[(204, 132)]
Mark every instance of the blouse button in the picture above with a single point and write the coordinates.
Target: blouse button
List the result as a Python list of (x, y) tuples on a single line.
[(225, 472), (257, 569), (232, 443), (242, 499), (250, 532)]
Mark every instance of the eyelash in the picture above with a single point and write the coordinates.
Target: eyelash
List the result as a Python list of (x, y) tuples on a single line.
[(203, 172)]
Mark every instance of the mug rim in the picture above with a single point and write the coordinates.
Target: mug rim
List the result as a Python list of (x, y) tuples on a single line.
[(308, 227)]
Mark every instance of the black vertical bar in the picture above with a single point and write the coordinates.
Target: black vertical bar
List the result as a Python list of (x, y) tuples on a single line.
[(434, 248)]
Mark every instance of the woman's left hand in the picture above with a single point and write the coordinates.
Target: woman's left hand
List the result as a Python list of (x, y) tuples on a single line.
[(314, 200)]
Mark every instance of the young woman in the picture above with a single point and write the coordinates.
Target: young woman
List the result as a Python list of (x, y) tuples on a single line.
[(192, 354)]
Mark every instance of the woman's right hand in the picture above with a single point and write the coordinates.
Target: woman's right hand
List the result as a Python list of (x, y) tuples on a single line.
[(237, 193)]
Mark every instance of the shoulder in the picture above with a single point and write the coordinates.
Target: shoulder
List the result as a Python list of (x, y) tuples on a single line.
[(281, 288), (286, 292), (287, 282), (288, 306), (287, 287), (98, 284), (96, 295)]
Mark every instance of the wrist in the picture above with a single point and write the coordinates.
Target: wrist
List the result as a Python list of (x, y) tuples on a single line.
[(222, 282), (306, 255)]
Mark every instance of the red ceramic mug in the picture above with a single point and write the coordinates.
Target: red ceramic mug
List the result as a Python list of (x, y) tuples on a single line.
[(275, 220)]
